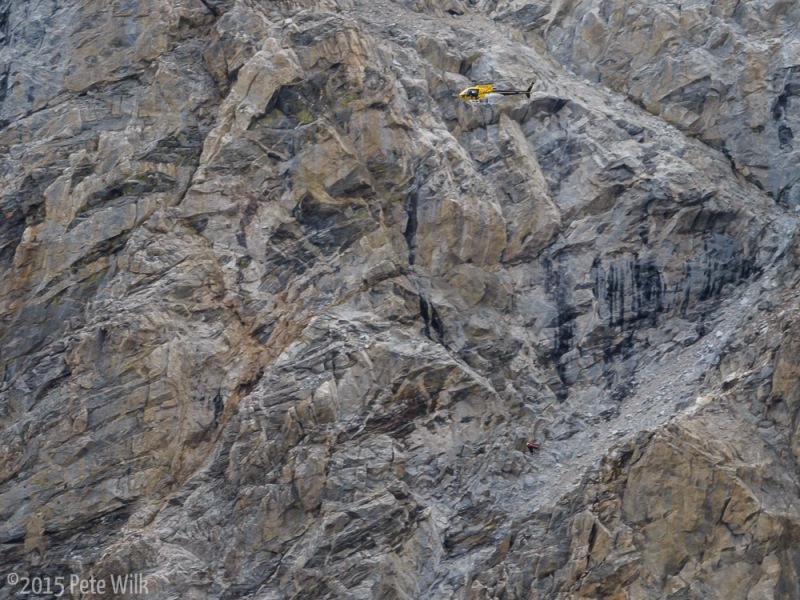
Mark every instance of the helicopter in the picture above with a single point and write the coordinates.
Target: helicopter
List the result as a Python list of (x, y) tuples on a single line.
[(484, 90)]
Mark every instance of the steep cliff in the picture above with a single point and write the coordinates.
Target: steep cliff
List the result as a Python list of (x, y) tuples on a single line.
[(280, 312)]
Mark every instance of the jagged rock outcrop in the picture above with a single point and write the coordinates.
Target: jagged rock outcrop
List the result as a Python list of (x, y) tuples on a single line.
[(280, 312), (725, 72)]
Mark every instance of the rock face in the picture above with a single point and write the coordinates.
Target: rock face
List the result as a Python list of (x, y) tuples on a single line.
[(279, 312), (727, 72)]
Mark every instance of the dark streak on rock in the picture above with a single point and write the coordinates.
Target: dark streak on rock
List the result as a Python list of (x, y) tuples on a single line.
[(411, 225), (431, 319), (212, 9), (219, 405)]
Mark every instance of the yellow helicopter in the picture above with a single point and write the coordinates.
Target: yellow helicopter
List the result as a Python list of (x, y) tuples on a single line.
[(486, 90)]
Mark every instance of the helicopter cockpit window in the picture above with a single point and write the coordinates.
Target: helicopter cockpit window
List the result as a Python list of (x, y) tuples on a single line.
[(473, 93)]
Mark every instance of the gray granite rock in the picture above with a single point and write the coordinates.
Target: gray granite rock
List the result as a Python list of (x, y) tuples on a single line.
[(279, 313)]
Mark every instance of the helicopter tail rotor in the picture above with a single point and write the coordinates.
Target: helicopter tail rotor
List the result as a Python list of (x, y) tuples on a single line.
[(528, 91)]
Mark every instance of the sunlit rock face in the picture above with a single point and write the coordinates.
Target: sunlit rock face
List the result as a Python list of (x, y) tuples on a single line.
[(279, 312)]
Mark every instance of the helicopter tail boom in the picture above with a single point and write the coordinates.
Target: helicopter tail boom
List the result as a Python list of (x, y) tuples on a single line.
[(527, 92)]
